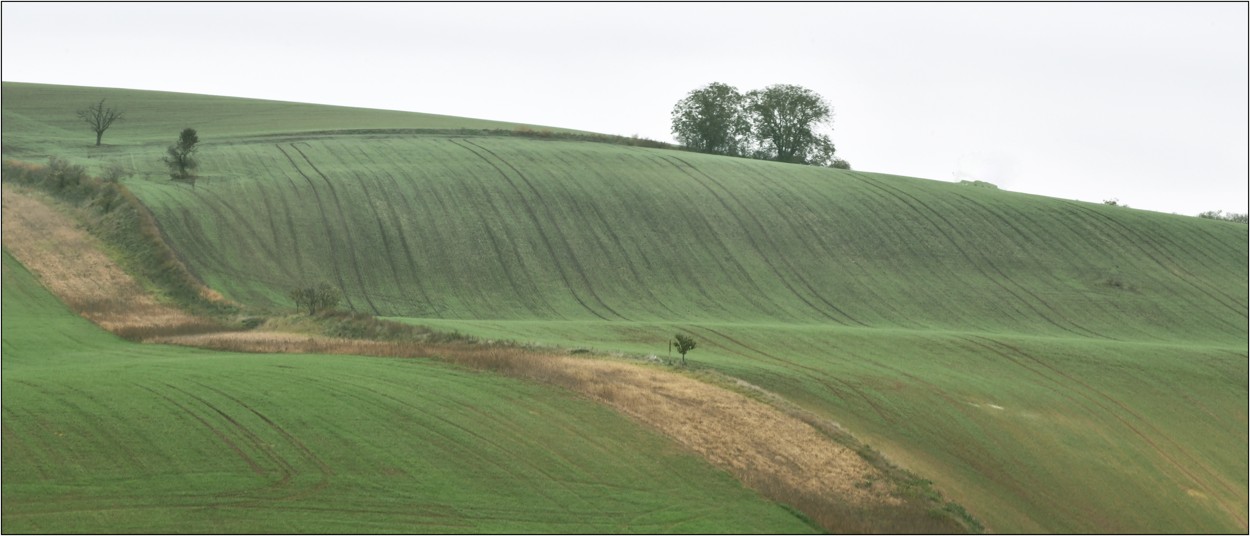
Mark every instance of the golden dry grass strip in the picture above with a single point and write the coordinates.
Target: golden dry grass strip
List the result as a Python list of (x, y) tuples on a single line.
[(773, 452)]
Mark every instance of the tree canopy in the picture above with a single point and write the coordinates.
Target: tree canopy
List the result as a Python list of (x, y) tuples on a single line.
[(180, 157), (785, 119), (782, 122), (711, 120)]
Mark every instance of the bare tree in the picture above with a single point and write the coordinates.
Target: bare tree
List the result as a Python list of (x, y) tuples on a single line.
[(100, 118)]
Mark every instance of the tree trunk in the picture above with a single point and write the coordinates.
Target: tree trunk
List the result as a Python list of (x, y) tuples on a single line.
[(98, 135)]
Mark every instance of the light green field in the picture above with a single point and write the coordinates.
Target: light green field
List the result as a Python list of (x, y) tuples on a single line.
[(1054, 366), (101, 435)]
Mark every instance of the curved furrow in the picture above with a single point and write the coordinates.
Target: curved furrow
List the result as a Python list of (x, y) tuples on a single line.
[(411, 414), (353, 259), (108, 436), (1170, 272), (1093, 393), (747, 284), (1002, 276), (297, 252), (877, 205), (431, 236), (1093, 396), (322, 467), (1092, 241), (689, 276), (760, 252), (572, 255), (605, 226), (325, 224), (785, 210), (998, 281), (246, 236), (218, 433), (174, 214), (512, 237), (399, 197), (782, 255), (819, 376), (755, 246), (1139, 239), (542, 234)]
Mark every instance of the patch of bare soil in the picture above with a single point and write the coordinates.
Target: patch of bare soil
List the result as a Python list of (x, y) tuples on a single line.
[(775, 453)]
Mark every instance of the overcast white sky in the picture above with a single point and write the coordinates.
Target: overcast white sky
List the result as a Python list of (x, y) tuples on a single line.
[(1143, 102)]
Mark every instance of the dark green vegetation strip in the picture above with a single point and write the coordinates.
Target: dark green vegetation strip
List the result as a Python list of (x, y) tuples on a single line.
[(101, 435), (1054, 366)]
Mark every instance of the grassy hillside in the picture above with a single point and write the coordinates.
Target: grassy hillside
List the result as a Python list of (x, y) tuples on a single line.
[(100, 434), (39, 119), (1053, 365)]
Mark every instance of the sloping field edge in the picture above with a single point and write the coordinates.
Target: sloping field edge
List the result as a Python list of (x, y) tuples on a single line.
[(796, 460)]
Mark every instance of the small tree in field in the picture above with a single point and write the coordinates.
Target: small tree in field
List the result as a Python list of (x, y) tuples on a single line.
[(180, 157), (683, 344), (100, 118), (315, 299)]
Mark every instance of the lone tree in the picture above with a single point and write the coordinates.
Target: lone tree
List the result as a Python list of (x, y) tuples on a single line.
[(683, 344), (711, 119), (785, 120), (315, 299), (100, 118), (180, 157)]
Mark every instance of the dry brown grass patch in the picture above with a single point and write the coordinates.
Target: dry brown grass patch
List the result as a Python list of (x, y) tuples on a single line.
[(774, 452)]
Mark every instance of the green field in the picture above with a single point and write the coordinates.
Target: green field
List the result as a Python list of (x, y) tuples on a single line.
[(101, 435), (1053, 365)]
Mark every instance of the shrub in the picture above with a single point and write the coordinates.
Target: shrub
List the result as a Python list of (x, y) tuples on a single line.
[(315, 299), (1242, 218)]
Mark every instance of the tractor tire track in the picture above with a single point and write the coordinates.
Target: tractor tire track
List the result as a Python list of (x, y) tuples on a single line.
[(397, 224), (785, 259), (487, 228), (759, 251), (1032, 239), (323, 468), (1168, 274), (325, 223), (354, 260), (811, 373), (625, 257), (877, 203), (997, 281), (377, 218), (572, 255), (431, 231), (726, 259), (296, 252), (407, 410), (94, 423), (221, 436), (248, 233), (686, 275), (783, 208), (1189, 278), (1092, 395), (542, 234), (537, 296), (287, 470)]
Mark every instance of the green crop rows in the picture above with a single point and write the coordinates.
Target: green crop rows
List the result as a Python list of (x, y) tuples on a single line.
[(105, 435), (1052, 365)]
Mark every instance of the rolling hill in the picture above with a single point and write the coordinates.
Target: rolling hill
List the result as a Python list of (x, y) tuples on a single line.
[(103, 435), (1055, 366)]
